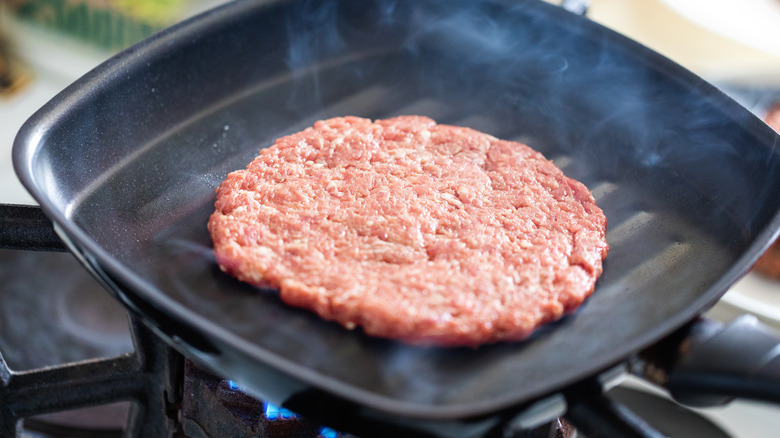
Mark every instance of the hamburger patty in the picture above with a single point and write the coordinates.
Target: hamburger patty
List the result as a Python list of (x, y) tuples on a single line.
[(427, 233)]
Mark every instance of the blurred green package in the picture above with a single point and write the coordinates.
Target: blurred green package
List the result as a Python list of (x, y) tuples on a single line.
[(111, 24)]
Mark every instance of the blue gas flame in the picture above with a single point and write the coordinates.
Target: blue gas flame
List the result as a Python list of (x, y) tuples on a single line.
[(273, 412), (326, 432)]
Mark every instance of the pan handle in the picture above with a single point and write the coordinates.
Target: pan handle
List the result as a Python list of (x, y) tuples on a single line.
[(26, 227), (714, 364)]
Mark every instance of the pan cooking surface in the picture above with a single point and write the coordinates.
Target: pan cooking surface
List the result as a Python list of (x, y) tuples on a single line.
[(126, 162)]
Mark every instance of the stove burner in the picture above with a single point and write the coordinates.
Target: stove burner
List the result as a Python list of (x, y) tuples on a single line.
[(53, 312), (69, 345), (217, 407)]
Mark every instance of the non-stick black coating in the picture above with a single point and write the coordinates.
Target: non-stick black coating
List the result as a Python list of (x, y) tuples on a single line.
[(126, 162)]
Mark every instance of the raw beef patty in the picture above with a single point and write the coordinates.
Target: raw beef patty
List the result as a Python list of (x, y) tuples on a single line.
[(427, 233)]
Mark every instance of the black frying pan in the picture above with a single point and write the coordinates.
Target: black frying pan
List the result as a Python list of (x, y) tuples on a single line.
[(125, 162)]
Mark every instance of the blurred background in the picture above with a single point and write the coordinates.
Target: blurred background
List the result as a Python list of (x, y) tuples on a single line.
[(47, 44)]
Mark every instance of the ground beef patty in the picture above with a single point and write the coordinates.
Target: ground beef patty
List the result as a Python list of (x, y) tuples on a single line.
[(427, 233)]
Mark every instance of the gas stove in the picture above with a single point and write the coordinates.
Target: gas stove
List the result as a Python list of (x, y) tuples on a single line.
[(69, 344), (73, 345)]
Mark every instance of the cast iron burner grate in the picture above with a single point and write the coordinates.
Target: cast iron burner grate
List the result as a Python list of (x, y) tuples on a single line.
[(149, 378), (170, 397)]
